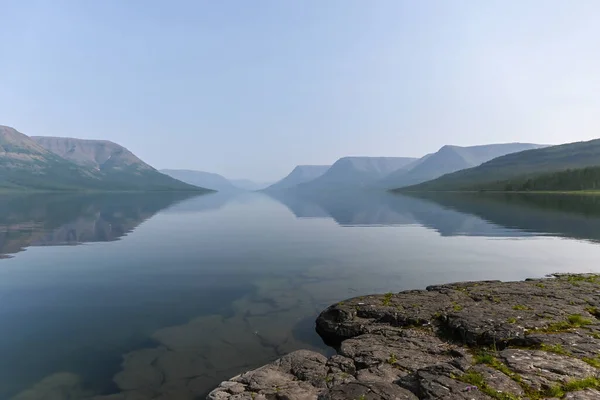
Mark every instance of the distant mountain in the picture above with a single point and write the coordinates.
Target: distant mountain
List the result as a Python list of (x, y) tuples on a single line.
[(74, 165), (450, 159), (247, 184), (300, 174), (519, 166), (356, 172), (203, 179)]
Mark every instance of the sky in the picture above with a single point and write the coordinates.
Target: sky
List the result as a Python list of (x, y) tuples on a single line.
[(249, 89)]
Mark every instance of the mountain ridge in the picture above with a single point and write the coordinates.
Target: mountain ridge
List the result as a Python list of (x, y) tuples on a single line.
[(451, 158), (520, 165), (300, 174), (209, 180), (355, 171), (93, 153), (26, 164)]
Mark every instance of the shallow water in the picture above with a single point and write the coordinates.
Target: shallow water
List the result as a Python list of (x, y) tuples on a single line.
[(213, 285)]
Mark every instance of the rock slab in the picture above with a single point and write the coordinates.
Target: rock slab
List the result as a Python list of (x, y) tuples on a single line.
[(536, 339)]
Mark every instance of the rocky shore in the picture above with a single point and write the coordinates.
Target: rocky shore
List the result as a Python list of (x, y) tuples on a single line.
[(536, 339)]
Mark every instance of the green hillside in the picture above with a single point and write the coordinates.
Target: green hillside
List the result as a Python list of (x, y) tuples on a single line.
[(567, 180), (25, 165), (519, 168)]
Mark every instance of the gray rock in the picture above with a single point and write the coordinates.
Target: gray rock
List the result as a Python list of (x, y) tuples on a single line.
[(440, 382), (590, 394), (368, 391), (542, 369), (408, 351), (473, 340), (298, 375)]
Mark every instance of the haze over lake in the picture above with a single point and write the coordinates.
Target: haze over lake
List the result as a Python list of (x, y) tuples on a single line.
[(218, 284)]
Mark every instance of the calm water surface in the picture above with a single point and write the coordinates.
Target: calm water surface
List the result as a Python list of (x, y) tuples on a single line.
[(201, 288)]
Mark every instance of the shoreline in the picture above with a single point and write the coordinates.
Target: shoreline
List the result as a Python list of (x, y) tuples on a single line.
[(532, 339), (564, 192)]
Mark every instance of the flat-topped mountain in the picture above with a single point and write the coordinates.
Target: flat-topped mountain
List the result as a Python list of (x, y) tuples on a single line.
[(76, 165), (300, 174), (100, 155), (451, 159), (357, 172)]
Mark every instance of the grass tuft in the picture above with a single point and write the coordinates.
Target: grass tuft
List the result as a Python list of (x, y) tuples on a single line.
[(556, 348), (476, 379), (594, 311), (572, 386), (578, 320), (575, 279), (573, 321), (387, 299), (490, 360), (393, 359), (594, 362)]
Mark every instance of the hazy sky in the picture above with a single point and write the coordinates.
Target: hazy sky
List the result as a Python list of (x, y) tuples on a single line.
[(252, 88)]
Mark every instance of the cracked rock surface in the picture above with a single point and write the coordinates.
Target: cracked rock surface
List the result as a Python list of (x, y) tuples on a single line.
[(536, 339)]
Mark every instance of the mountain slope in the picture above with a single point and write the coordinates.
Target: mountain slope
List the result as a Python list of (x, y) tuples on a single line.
[(356, 172), (451, 159), (101, 155), (300, 174), (203, 179), (568, 180), (522, 165), (26, 164)]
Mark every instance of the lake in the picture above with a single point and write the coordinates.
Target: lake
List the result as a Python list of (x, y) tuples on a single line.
[(170, 294)]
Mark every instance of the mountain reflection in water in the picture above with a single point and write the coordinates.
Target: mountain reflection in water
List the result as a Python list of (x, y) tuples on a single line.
[(175, 293)]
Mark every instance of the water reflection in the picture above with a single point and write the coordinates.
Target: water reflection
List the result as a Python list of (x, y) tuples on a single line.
[(457, 214), (214, 285), (71, 219), (570, 216), (209, 202)]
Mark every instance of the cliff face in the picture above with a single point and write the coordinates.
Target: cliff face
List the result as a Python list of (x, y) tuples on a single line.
[(537, 339), (96, 154)]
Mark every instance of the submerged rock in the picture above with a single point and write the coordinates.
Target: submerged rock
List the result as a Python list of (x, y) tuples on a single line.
[(537, 339), (59, 386)]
